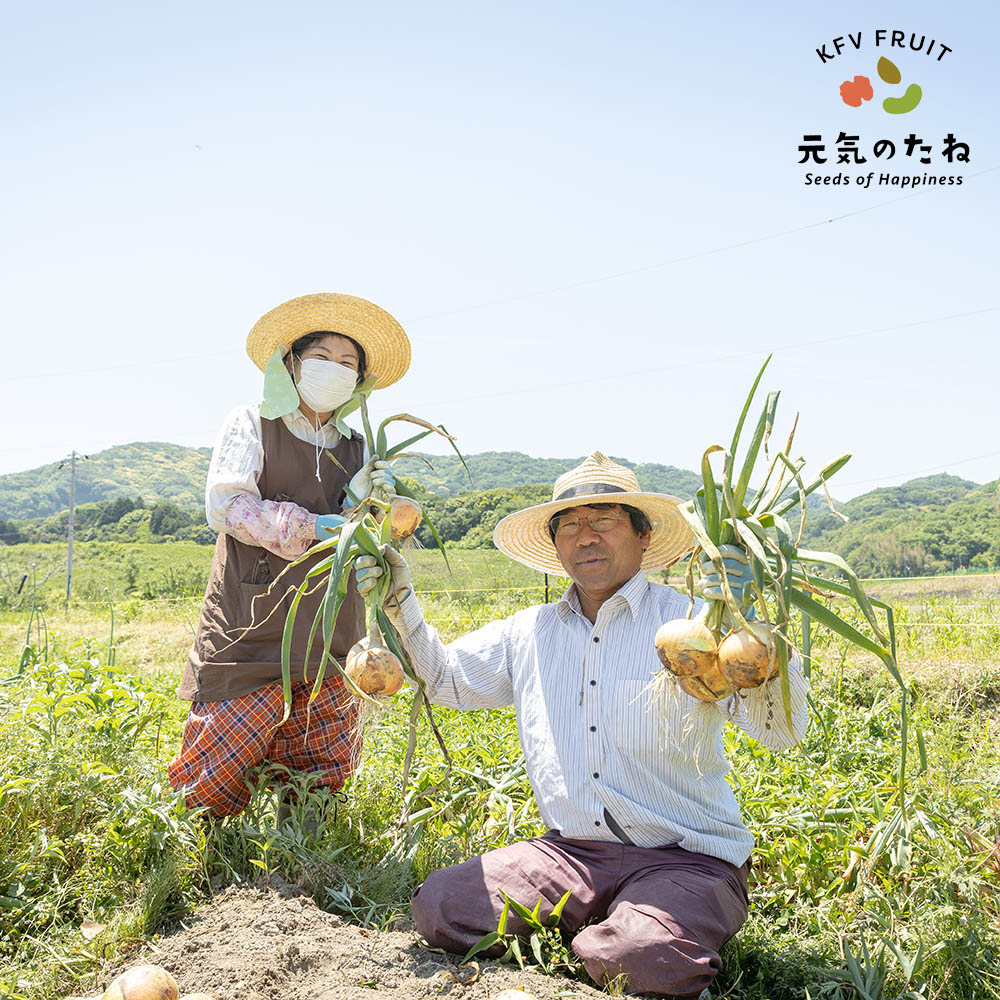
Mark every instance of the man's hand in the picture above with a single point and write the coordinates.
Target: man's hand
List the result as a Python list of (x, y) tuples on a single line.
[(738, 573), (367, 572), (375, 476)]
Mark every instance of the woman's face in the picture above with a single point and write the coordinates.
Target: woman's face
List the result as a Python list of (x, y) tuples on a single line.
[(332, 347)]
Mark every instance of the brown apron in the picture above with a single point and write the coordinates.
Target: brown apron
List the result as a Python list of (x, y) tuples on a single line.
[(225, 660)]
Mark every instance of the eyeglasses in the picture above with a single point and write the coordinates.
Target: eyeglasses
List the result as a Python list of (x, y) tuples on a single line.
[(569, 525)]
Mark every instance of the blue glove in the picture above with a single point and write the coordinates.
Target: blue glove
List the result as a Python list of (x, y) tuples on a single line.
[(376, 475), (325, 523), (738, 573)]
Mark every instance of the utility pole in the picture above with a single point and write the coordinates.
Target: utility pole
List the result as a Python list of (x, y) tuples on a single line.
[(72, 511)]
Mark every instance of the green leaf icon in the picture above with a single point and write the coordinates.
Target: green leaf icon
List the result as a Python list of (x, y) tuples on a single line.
[(905, 104), (888, 71)]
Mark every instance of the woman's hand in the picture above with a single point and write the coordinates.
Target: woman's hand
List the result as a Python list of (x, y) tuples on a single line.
[(376, 475), (327, 523)]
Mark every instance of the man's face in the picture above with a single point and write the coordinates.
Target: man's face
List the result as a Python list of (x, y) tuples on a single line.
[(599, 563)]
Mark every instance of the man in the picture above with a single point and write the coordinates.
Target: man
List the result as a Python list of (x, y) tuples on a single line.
[(644, 830)]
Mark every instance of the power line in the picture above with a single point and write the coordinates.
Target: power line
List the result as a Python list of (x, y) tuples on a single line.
[(921, 472), (554, 290), (713, 360), (687, 257)]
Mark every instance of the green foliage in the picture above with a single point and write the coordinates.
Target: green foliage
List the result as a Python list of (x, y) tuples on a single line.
[(546, 944), (150, 469), (90, 830), (505, 469), (105, 571), (10, 533), (468, 519), (895, 537), (840, 901), (929, 525), (122, 519), (168, 519)]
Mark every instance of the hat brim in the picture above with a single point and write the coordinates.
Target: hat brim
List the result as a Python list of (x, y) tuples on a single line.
[(524, 534), (386, 346)]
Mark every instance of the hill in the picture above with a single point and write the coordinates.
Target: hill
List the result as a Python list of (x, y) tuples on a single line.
[(926, 526), (152, 470), (505, 469), (929, 525), (156, 471)]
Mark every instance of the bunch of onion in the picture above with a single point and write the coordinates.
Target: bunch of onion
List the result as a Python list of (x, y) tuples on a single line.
[(720, 652), (376, 665), (404, 510)]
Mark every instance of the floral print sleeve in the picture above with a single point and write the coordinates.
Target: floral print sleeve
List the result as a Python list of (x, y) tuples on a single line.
[(285, 529)]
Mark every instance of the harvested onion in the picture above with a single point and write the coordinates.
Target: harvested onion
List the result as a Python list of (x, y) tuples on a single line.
[(144, 982), (747, 659), (373, 669), (406, 516), (709, 685), (686, 646)]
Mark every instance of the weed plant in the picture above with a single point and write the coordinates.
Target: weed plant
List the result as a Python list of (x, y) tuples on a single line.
[(845, 905)]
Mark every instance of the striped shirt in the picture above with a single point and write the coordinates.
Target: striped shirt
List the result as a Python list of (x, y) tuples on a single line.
[(592, 737)]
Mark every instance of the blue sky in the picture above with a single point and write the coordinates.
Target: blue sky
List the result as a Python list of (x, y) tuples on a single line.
[(590, 220)]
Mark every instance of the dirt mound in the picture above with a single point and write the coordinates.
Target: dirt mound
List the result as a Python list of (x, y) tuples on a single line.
[(274, 944)]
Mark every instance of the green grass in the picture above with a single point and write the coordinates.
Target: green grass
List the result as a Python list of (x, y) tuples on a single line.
[(92, 830)]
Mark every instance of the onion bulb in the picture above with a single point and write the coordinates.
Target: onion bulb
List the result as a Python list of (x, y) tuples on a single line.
[(405, 515), (373, 669), (709, 685), (144, 982), (686, 646), (747, 659)]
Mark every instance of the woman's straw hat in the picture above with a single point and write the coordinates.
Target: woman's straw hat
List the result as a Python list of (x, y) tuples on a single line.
[(524, 534), (387, 348)]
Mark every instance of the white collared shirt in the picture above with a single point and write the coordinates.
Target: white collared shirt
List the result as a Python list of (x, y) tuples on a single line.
[(592, 739)]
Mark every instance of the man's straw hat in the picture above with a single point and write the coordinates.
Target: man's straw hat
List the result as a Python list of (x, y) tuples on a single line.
[(387, 348), (524, 534)]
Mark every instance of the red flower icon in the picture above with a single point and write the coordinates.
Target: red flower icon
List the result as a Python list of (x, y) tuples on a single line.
[(853, 92)]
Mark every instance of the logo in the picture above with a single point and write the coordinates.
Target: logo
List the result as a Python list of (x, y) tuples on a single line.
[(905, 63), (853, 92)]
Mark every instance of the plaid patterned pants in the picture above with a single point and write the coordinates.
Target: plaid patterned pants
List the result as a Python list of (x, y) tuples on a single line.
[(224, 741)]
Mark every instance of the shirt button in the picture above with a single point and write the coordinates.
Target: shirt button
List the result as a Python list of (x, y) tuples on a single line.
[(596, 775), (597, 822), (597, 638), (593, 683), (593, 729)]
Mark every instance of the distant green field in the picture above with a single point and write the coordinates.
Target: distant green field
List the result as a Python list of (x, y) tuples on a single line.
[(116, 570)]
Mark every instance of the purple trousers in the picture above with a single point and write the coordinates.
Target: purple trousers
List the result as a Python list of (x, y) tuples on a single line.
[(655, 915)]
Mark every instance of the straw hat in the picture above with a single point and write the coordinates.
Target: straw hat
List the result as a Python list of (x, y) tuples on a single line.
[(387, 348), (524, 535)]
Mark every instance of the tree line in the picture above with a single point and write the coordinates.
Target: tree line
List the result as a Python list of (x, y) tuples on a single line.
[(123, 519), (934, 525)]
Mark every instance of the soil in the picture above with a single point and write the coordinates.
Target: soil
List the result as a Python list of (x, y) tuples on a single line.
[(273, 943)]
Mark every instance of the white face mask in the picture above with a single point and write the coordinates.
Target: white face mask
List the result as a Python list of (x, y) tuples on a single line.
[(324, 385)]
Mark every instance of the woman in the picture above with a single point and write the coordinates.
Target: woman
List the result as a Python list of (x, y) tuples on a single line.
[(279, 479)]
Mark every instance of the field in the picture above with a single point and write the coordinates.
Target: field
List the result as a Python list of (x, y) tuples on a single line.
[(850, 897)]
